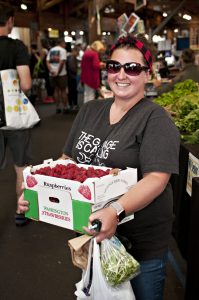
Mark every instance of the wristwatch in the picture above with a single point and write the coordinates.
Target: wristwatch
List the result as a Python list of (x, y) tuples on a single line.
[(119, 210)]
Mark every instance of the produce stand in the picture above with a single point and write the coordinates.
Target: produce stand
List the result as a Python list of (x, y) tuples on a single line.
[(186, 223), (182, 103)]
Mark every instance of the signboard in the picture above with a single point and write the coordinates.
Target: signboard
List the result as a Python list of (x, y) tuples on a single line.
[(193, 171)]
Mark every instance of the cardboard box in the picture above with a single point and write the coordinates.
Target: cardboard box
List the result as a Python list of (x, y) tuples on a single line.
[(68, 203)]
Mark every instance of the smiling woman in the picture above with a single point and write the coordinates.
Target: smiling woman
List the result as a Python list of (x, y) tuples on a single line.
[(143, 137)]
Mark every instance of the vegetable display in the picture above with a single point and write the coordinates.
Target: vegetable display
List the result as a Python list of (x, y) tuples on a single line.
[(183, 105), (117, 264)]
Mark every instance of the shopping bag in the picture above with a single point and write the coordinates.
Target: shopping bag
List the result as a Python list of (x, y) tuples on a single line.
[(17, 112), (79, 248), (117, 264), (94, 286)]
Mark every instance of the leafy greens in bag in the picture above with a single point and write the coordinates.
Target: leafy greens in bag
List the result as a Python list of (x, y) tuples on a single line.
[(117, 264)]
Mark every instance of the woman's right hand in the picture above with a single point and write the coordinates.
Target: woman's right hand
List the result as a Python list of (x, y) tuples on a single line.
[(23, 204)]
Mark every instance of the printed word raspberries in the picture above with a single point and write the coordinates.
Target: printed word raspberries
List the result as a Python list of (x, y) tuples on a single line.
[(72, 172)]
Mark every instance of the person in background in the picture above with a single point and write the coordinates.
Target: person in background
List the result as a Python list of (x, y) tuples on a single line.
[(90, 70), (14, 55), (71, 66), (189, 71), (34, 58), (43, 55), (131, 131), (56, 63)]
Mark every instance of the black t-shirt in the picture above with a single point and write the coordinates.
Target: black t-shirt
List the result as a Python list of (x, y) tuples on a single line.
[(145, 138), (12, 53)]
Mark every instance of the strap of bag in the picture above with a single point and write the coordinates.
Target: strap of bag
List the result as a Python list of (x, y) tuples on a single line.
[(2, 109)]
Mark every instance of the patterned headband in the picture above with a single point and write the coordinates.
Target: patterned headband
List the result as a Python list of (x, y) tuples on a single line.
[(133, 41)]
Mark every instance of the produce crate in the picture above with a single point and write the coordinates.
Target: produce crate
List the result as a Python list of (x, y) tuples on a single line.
[(68, 203)]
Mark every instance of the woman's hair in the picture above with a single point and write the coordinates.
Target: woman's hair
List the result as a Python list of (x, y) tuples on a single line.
[(188, 56), (136, 42), (6, 11), (98, 46)]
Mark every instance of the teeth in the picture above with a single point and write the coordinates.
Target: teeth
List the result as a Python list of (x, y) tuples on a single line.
[(122, 84)]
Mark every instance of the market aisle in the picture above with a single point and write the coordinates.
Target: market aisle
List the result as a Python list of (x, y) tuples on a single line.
[(35, 260)]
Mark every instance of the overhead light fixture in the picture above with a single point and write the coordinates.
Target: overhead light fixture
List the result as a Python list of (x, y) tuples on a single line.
[(68, 39), (24, 6), (164, 14), (81, 32), (187, 17), (109, 9), (65, 32), (73, 33), (176, 30)]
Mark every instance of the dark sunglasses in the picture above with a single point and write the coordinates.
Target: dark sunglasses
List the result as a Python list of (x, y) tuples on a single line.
[(131, 68)]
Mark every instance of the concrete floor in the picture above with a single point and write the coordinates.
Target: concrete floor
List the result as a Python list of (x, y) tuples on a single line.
[(35, 260)]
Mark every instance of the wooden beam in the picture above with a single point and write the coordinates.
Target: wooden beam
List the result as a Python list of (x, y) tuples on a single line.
[(46, 4)]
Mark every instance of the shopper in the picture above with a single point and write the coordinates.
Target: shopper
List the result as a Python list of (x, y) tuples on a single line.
[(56, 63), (14, 55), (189, 71), (90, 70), (45, 47), (72, 66), (131, 131)]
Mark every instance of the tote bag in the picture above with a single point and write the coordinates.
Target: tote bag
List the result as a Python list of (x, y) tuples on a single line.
[(16, 111)]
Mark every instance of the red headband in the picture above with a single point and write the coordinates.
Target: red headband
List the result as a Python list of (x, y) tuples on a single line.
[(133, 41)]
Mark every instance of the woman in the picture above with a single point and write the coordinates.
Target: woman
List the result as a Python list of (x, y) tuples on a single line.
[(131, 131), (90, 70)]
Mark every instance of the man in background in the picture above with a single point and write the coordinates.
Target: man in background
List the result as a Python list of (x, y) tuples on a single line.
[(14, 55), (189, 71), (56, 63)]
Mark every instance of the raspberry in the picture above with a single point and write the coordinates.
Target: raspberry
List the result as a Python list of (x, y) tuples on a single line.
[(71, 172), (31, 181), (85, 191)]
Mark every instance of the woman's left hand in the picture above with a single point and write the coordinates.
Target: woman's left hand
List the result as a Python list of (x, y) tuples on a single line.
[(108, 218)]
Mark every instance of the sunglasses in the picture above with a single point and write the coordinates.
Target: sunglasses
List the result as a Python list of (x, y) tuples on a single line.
[(131, 68)]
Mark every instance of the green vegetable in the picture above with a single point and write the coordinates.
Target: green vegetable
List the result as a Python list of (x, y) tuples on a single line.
[(117, 264), (183, 105), (192, 138)]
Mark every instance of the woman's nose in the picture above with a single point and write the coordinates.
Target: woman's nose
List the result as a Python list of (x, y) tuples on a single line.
[(121, 73)]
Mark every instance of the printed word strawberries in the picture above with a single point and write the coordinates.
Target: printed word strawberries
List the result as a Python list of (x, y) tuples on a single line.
[(72, 172)]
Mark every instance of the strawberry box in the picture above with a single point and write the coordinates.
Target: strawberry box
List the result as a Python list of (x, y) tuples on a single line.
[(68, 203)]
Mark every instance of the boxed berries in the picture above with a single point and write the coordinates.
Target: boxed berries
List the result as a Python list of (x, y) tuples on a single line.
[(62, 192)]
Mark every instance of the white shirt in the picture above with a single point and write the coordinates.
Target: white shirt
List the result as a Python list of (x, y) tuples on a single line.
[(55, 56)]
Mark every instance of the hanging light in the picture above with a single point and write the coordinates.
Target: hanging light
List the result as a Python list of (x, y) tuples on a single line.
[(187, 17), (24, 6)]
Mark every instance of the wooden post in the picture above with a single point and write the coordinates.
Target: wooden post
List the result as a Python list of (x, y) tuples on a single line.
[(92, 22)]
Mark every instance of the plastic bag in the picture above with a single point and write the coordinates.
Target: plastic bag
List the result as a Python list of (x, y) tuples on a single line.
[(94, 286), (117, 264)]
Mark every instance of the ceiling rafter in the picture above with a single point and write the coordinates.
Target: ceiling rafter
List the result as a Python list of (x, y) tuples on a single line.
[(46, 4)]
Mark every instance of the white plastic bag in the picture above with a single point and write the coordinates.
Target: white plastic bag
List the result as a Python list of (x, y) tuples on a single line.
[(99, 288)]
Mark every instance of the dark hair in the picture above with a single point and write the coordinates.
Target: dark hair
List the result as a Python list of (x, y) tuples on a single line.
[(136, 42), (188, 56), (60, 40), (6, 11), (33, 46)]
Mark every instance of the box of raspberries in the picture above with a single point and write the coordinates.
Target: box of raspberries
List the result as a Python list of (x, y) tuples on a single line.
[(62, 192)]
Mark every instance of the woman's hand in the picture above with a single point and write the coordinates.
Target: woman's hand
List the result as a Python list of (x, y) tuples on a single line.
[(22, 204), (108, 218)]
